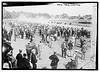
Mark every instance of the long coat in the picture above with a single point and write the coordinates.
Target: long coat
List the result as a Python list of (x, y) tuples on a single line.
[(33, 60), (19, 60), (25, 63)]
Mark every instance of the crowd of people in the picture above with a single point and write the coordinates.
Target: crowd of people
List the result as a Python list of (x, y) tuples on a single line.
[(48, 34)]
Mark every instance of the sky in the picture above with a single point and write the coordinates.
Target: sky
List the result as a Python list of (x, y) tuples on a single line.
[(53, 9)]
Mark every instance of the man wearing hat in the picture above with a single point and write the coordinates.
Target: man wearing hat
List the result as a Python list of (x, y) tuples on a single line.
[(54, 61), (33, 60), (75, 58), (19, 59), (28, 50), (63, 49)]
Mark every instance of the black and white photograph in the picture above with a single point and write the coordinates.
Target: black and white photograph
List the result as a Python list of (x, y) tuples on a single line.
[(49, 36)]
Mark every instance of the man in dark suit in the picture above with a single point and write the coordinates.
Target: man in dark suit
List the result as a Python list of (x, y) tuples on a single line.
[(25, 62), (70, 45), (33, 59), (54, 61), (19, 59), (63, 48)]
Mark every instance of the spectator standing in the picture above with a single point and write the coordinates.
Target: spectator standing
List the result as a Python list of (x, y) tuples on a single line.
[(54, 62), (33, 59), (19, 59), (25, 62)]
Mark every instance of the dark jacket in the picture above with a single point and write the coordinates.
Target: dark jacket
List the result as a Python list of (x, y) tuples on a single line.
[(70, 45), (54, 59), (25, 63), (33, 58), (19, 57), (19, 60)]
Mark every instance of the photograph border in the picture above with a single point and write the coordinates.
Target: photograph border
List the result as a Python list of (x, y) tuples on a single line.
[(43, 3)]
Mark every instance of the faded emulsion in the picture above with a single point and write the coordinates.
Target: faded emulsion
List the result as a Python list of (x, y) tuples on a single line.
[(49, 36)]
